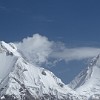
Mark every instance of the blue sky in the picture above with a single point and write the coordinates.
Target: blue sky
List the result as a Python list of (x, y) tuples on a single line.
[(76, 23)]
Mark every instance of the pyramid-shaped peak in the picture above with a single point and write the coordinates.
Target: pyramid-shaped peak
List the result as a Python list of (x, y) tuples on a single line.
[(88, 81), (94, 60), (9, 48)]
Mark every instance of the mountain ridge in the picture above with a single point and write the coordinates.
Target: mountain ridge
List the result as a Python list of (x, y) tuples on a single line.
[(87, 82), (25, 81), (21, 80)]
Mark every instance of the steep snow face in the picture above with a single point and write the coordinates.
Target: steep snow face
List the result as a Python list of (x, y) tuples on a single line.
[(7, 60), (6, 64), (37, 81), (88, 81), (24, 81)]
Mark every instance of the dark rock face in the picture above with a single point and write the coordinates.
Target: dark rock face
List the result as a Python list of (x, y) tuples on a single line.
[(8, 97), (30, 97)]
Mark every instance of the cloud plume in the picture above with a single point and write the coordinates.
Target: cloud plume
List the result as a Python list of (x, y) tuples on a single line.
[(38, 49), (76, 53)]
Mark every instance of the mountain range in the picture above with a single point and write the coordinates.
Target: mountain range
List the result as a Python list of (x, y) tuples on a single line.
[(21, 80)]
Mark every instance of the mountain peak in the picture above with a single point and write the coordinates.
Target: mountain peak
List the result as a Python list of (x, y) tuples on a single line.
[(9, 48), (88, 81), (94, 60), (20, 80)]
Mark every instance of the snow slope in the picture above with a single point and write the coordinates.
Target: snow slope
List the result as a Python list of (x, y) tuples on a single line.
[(87, 83), (20, 80)]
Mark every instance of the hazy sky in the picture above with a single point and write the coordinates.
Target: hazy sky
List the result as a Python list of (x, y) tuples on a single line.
[(76, 23)]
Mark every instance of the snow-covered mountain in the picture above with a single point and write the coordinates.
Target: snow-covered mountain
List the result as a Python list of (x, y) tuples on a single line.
[(87, 83), (20, 80)]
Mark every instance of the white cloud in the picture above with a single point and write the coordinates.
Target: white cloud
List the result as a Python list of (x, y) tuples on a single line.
[(76, 53), (38, 49)]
